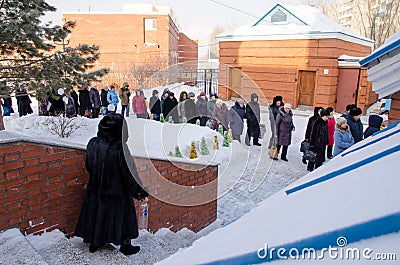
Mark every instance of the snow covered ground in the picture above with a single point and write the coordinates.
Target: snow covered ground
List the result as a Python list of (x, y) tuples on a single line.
[(247, 175)]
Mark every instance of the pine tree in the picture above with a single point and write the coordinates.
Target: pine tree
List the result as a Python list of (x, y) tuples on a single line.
[(230, 136), (221, 130), (216, 145), (37, 55), (170, 120), (204, 149), (162, 119), (178, 152), (208, 124), (193, 152), (198, 122), (226, 141)]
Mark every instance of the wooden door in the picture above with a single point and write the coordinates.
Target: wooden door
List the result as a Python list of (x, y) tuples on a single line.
[(306, 88), (347, 88), (235, 83)]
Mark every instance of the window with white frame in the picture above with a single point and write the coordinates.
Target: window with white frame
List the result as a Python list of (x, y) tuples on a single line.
[(150, 24)]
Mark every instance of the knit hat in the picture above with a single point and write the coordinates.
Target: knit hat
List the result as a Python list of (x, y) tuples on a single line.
[(105, 87), (355, 112), (240, 101), (287, 106), (125, 84), (155, 92), (191, 94), (340, 121), (171, 94), (202, 93)]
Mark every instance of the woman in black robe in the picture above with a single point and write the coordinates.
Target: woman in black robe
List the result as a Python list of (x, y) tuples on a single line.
[(108, 213)]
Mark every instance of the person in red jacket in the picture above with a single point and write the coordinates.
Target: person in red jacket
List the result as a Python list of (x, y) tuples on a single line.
[(331, 131), (139, 105)]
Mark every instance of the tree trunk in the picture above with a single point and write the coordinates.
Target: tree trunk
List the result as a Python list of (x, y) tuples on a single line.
[(1, 119)]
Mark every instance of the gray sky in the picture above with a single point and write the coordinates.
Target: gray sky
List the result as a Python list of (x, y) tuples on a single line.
[(196, 18)]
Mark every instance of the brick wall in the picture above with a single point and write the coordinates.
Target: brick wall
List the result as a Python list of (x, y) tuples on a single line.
[(394, 114), (42, 188)]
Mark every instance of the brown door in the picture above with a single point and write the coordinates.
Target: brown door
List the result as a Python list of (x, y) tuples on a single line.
[(306, 87), (347, 87), (235, 82)]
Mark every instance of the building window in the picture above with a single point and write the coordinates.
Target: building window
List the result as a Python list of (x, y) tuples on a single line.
[(279, 16), (150, 24)]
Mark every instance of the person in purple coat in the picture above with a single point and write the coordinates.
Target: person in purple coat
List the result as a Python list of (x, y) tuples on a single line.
[(284, 128)]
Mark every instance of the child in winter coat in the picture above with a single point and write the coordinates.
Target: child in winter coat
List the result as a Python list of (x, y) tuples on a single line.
[(343, 137), (331, 131)]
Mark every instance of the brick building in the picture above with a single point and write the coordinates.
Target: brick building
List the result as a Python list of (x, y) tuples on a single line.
[(294, 51), (143, 36)]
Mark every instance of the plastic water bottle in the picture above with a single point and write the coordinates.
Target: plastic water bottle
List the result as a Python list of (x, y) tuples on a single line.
[(143, 216)]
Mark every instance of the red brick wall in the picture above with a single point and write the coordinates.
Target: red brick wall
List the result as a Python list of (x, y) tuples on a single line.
[(394, 114), (188, 49), (366, 97), (42, 187), (274, 65)]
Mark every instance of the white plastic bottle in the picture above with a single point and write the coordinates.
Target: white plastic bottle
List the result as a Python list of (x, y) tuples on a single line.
[(143, 219)]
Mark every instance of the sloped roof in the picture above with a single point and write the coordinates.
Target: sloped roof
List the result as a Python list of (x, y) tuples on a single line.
[(384, 67), (303, 22)]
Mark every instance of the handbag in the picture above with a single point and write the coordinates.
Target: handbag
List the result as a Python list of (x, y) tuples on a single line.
[(273, 151), (310, 156), (305, 145), (88, 113)]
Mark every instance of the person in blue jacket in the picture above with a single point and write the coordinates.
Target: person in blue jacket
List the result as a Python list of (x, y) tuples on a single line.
[(112, 97), (374, 125), (355, 124), (342, 135)]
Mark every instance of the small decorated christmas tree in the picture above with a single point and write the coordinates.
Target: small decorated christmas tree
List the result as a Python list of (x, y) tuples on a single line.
[(198, 122), (184, 120), (178, 152), (216, 146), (193, 152), (230, 136), (170, 120), (203, 148), (221, 129), (162, 119), (226, 141), (208, 124)]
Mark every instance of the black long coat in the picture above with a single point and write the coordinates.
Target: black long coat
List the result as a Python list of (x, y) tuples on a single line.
[(84, 101), (190, 111), (319, 138), (170, 109), (108, 213)]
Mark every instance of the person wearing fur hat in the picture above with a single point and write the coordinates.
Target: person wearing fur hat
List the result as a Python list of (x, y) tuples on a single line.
[(190, 108), (201, 108), (170, 107), (108, 212), (342, 136), (154, 105), (124, 95), (319, 139), (355, 124), (331, 131), (235, 116), (374, 125), (253, 120), (283, 130), (273, 111)]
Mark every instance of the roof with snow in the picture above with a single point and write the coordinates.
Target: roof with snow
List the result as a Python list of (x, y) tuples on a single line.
[(384, 67), (287, 22), (351, 198)]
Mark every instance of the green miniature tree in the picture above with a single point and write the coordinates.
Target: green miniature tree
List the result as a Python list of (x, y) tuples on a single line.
[(221, 129), (226, 140), (198, 122), (170, 120), (184, 120), (203, 148), (178, 152), (193, 152), (208, 124), (162, 119)]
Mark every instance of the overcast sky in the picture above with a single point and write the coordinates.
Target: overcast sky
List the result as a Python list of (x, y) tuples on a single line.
[(196, 18)]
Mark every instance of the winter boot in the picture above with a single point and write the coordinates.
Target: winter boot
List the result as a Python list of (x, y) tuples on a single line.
[(127, 249), (93, 249)]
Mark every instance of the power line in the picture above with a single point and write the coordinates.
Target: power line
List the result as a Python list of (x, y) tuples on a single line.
[(233, 8)]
